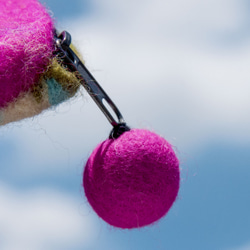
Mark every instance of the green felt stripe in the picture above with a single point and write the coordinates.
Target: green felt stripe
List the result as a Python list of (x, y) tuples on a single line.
[(1, 116)]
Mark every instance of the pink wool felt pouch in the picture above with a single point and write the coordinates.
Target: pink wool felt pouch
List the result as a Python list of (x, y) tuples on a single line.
[(132, 181), (26, 44)]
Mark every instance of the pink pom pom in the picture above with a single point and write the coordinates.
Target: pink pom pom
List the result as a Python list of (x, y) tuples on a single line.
[(26, 44), (132, 181)]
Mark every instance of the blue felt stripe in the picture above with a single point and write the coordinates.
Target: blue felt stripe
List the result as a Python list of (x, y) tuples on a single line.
[(56, 92)]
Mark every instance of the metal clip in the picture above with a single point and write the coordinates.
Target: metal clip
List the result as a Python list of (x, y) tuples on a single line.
[(73, 63)]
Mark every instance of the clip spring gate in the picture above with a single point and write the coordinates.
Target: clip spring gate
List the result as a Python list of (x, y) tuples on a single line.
[(74, 64)]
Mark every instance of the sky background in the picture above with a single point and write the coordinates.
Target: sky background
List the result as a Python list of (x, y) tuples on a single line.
[(179, 68)]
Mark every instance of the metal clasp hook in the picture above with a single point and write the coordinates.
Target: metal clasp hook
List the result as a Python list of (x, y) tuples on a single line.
[(73, 63)]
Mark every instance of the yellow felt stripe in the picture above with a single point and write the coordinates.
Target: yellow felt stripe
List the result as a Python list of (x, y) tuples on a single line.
[(39, 97)]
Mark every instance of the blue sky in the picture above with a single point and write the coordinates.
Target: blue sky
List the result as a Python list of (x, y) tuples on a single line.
[(180, 68)]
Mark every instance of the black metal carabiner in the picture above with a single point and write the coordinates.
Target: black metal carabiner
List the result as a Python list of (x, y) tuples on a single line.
[(74, 64)]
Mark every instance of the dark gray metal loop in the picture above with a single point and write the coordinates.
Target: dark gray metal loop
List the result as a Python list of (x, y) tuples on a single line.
[(73, 63)]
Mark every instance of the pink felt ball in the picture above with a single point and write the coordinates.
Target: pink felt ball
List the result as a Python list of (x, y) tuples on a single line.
[(132, 181), (26, 44)]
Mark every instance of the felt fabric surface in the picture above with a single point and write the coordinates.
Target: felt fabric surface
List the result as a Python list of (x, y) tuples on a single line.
[(25, 106), (55, 86), (56, 92), (132, 181), (32, 79), (26, 46)]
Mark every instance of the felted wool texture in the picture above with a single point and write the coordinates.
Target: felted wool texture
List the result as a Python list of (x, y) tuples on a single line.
[(132, 181), (28, 70), (68, 80), (26, 46), (26, 105), (55, 86)]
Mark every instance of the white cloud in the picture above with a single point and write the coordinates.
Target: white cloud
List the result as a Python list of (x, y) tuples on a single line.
[(183, 18), (182, 90), (43, 219), (242, 247)]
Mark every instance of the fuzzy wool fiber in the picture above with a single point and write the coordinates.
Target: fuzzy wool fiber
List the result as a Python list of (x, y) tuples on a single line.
[(55, 86), (26, 46), (32, 79), (132, 181)]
